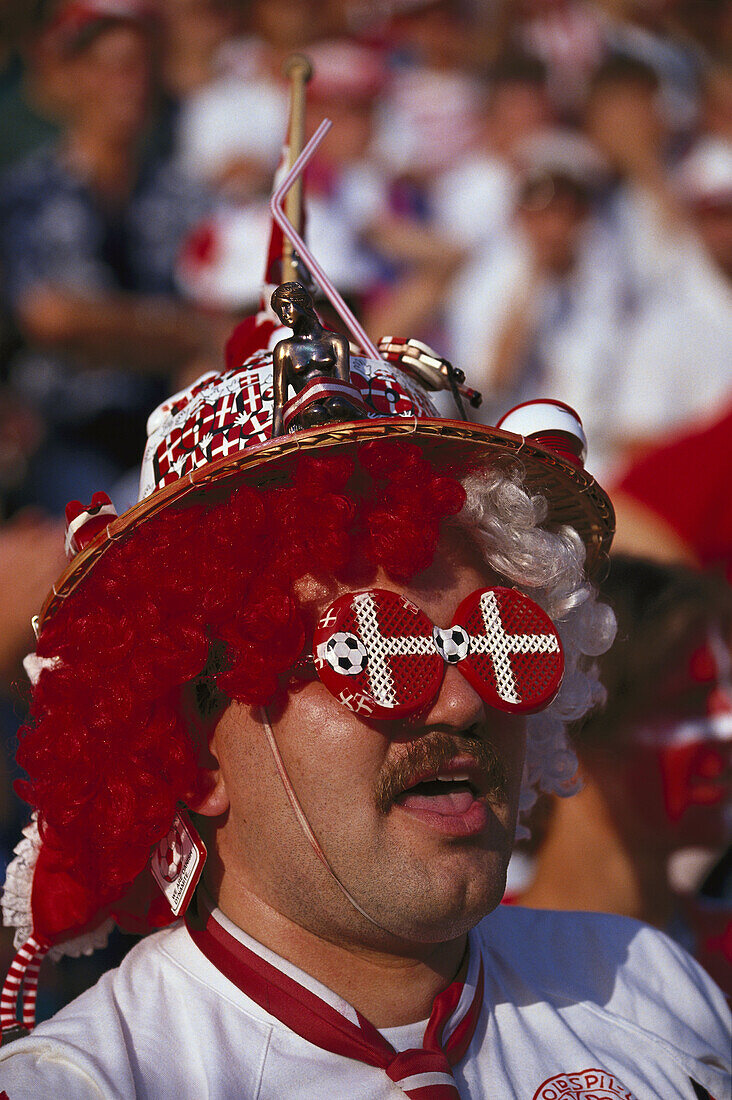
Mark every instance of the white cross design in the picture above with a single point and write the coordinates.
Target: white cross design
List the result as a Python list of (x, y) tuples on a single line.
[(358, 703), (223, 445), (226, 407), (380, 648), (500, 645), (329, 618)]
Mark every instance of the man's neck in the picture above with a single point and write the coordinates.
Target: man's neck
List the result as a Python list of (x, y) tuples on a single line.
[(390, 988)]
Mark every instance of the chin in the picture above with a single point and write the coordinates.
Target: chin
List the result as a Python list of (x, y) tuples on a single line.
[(452, 903), (436, 927)]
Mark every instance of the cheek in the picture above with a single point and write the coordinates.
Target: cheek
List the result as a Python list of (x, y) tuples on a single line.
[(507, 734), (326, 748)]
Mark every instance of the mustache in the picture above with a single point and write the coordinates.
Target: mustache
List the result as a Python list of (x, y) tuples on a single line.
[(432, 752)]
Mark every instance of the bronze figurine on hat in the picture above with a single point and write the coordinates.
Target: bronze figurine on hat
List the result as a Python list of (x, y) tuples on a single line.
[(315, 363)]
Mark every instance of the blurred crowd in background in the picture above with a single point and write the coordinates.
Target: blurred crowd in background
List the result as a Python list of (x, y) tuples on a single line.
[(539, 189)]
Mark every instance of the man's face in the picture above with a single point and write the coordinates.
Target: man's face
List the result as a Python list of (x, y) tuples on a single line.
[(112, 80), (427, 862), (555, 231)]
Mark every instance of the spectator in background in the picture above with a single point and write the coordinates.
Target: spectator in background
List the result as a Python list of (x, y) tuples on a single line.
[(347, 191), (433, 116), (27, 102), (539, 314), (231, 126), (655, 765), (678, 364), (473, 200), (651, 32), (194, 35), (624, 122), (568, 36), (89, 229)]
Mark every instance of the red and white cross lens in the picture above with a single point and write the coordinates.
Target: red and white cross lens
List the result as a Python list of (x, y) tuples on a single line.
[(375, 653), (516, 661), (382, 657)]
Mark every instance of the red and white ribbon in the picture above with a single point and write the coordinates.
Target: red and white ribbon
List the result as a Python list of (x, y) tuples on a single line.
[(423, 1073), (319, 389), (22, 980)]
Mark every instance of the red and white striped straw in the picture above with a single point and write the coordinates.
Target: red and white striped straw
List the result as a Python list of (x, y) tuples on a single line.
[(278, 213)]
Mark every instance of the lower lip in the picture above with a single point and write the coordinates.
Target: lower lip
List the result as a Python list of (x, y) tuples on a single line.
[(472, 821)]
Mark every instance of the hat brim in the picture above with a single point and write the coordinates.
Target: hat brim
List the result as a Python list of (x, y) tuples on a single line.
[(573, 496)]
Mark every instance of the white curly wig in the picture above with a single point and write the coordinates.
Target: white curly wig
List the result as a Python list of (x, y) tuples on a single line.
[(548, 566)]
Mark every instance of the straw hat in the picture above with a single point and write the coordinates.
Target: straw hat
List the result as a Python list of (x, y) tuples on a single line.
[(217, 434)]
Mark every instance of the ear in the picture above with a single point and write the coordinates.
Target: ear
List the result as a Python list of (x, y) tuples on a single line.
[(213, 799)]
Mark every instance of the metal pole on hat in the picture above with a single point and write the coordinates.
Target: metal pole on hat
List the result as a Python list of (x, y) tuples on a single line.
[(299, 71)]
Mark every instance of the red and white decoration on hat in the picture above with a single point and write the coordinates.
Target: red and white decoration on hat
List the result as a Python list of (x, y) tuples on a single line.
[(551, 424), (317, 389), (222, 414), (83, 524)]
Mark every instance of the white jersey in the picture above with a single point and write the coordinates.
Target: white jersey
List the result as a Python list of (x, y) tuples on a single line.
[(576, 1005)]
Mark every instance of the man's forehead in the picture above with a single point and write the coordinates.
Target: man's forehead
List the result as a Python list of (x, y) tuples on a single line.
[(458, 565), (457, 559)]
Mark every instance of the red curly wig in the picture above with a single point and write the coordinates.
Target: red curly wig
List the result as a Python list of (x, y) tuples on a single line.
[(107, 751)]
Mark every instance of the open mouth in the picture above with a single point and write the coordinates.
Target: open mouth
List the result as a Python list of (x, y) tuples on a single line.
[(444, 794), (456, 789), (451, 798)]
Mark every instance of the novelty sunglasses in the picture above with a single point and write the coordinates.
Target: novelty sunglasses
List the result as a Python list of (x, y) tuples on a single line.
[(382, 657)]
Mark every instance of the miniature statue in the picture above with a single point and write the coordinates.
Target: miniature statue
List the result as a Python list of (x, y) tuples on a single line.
[(315, 363)]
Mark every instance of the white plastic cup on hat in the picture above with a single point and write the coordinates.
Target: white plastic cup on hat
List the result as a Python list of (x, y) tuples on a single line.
[(551, 424)]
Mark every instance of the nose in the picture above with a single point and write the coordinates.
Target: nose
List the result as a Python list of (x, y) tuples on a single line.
[(457, 705)]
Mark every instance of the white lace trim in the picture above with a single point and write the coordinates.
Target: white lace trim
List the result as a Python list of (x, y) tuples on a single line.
[(16, 901)]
